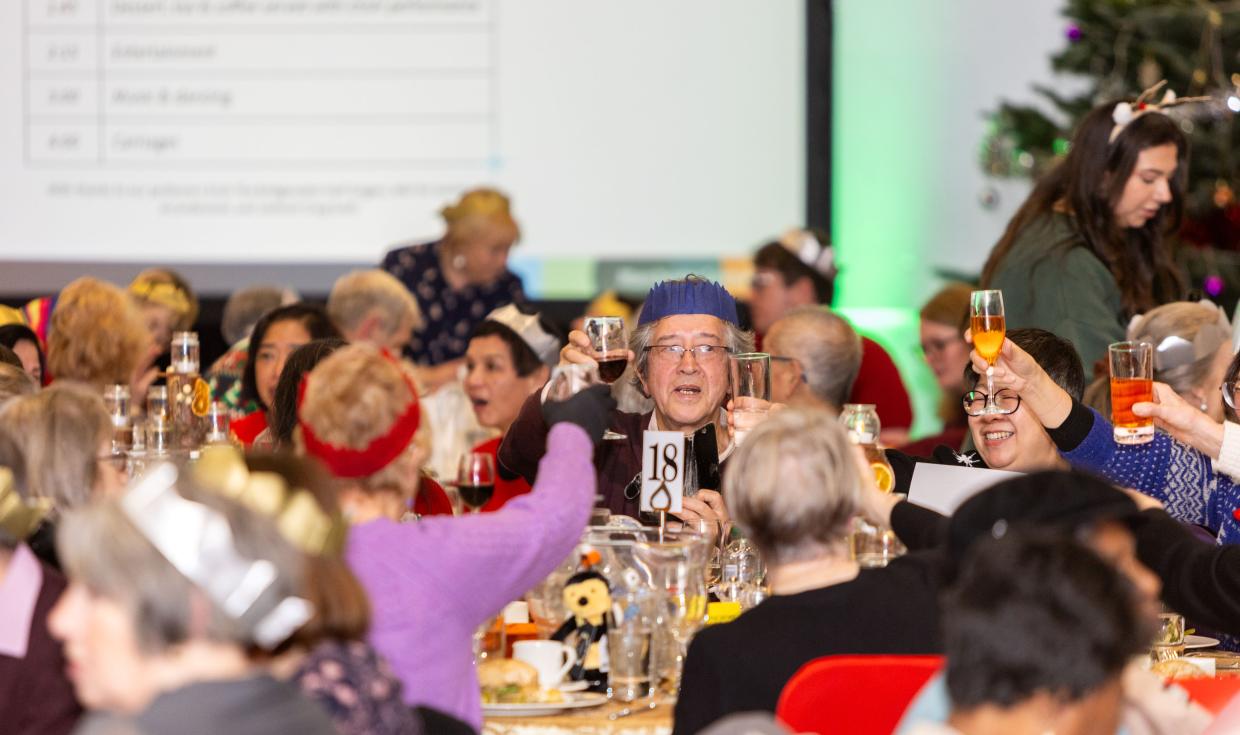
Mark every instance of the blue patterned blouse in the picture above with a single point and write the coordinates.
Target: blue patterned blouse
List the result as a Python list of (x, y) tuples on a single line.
[(450, 316)]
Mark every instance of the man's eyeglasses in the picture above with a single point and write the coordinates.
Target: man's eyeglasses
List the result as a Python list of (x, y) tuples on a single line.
[(1006, 401), (791, 361), (673, 354)]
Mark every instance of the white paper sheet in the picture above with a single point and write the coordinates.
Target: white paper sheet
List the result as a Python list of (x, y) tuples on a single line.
[(943, 487)]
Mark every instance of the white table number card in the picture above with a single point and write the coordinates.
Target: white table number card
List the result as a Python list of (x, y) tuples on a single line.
[(663, 477)]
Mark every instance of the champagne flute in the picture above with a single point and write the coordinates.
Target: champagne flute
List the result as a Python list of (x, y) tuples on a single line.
[(986, 321), (475, 479)]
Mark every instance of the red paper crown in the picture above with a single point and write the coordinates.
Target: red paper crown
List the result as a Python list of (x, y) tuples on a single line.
[(382, 450)]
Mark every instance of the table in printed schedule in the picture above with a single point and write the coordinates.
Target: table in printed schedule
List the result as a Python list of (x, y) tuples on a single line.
[(204, 83)]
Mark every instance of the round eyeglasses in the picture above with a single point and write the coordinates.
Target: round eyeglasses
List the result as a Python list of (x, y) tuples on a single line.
[(1006, 402), (1229, 389)]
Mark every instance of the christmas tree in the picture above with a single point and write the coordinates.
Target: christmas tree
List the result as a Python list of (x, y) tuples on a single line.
[(1121, 47)]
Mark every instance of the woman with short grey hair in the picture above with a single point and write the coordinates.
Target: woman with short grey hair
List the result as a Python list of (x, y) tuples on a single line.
[(57, 443), (794, 487)]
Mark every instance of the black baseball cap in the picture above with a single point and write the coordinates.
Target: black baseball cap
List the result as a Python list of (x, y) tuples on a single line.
[(1054, 499)]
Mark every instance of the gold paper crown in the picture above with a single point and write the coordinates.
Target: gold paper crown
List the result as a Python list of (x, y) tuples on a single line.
[(19, 517), (296, 513), (162, 293)]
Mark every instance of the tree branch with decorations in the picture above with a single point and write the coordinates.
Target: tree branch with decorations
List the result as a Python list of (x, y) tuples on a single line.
[(1121, 47)]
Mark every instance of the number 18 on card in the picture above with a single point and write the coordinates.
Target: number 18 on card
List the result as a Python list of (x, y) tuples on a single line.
[(663, 481)]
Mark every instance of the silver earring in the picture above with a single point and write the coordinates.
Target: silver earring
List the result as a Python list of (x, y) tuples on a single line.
[(458, 261), (1204, 407)]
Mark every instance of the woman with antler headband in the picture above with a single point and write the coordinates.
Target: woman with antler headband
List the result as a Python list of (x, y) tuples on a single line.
[(432, 583), (1085, 251)]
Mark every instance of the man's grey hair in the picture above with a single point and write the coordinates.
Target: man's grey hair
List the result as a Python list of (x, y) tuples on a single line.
[(824, 345), (736, 339), (356, 295), (246, 306)]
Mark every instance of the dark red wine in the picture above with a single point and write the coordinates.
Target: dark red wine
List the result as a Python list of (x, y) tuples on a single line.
[(476, 496), (611, 370)]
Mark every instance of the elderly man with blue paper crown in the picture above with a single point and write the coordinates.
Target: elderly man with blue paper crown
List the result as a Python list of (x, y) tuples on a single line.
[(680, 349)]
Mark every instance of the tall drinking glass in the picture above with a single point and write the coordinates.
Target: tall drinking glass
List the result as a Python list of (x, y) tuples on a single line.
[(217, 423), (157, 402), (1132, 381), (751, 392), (677, 569), (987, 323), (630, 628), (475, 479), (116, 400)]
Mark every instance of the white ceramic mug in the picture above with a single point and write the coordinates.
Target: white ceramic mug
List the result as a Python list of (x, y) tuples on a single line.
[(552, 659)]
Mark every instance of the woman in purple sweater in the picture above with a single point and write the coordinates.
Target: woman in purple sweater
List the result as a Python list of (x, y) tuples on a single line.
[(432, 583)]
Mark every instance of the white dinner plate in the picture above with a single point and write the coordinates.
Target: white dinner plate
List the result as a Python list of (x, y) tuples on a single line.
[(571, 701), (1199, 641)]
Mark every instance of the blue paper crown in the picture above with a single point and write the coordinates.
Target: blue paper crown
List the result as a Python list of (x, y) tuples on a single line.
[(669, 298)]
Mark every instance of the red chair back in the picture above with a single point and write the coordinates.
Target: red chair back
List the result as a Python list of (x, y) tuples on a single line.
[(859, 695), (1212, 694)]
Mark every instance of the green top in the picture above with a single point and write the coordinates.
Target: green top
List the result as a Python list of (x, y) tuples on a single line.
[(1052, 281)]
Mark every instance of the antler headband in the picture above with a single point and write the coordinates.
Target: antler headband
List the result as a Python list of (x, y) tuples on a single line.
[(1125, 112)]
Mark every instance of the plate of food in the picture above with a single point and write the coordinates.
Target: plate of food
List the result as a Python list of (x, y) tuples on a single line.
[(510, 689), (1199, 641)]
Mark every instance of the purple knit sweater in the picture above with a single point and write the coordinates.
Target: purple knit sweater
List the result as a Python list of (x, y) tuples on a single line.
[(432, 583)]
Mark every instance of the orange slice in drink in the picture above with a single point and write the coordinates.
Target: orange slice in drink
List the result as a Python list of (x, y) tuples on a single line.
[(202, 397), (883, 477)]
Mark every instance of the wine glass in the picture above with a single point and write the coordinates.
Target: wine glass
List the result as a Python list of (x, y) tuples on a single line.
[(611, 347), (569, 380), (986, 321), (475, 479)]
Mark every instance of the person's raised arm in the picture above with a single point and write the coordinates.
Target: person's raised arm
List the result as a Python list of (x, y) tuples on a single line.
[(523, 541), (1016, 370)]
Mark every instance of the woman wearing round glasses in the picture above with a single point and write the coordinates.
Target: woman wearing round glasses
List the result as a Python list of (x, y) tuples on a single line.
[(1015, 438)]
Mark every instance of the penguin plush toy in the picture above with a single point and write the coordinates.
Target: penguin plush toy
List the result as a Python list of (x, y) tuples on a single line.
[(588, 598)]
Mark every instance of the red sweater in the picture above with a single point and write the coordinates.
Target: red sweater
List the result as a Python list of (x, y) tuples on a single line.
[(247, 428)]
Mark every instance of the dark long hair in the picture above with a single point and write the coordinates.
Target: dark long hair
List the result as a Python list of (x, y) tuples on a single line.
[(11, 334), (311, 316), (283, 411), (1089, 183)]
